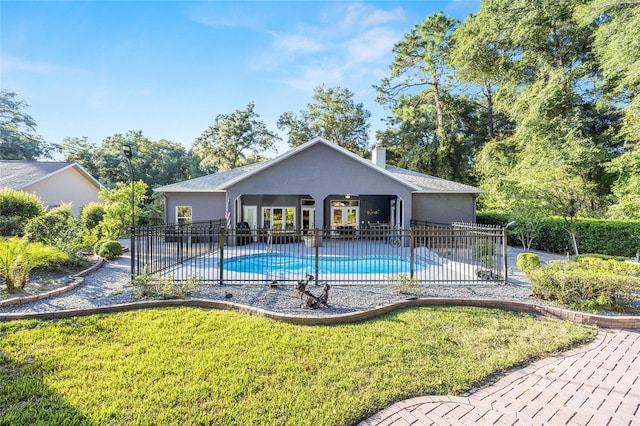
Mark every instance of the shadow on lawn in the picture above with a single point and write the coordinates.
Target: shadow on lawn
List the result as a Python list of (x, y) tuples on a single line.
[(26, 400)]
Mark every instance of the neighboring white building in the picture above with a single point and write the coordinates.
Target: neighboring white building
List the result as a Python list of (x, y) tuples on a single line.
[(55, 182)]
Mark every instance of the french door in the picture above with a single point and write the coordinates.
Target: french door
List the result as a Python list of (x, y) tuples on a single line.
[(345, 213)]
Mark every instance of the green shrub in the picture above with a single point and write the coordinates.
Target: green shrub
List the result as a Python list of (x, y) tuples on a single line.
[(599, 256), (92, 214), (109, 250), (404, 284), (58, 227), (19, 205), (589, 284), (527, 261), (18, 257), (157, 287), (9, 226), (608, 237)]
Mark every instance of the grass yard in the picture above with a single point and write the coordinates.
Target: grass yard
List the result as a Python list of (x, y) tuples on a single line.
[(197, 366)]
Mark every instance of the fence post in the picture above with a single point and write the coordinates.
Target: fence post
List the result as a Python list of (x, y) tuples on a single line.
[(506, 258), (412, 246), (210, 236), (133, 252), (221, 238), (317, 260)]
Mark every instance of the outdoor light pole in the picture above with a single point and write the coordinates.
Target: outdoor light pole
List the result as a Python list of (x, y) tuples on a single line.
[(128, 153)]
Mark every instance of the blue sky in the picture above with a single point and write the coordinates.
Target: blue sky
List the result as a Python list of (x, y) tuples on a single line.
[(169, 67)]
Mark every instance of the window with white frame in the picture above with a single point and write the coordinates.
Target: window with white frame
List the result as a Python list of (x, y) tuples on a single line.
[(184, 214)]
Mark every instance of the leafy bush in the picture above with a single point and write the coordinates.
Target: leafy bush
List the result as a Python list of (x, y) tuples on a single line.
[(109, 250), (527, 261), (404, 284), (599, 256), (589, 284), (157, 287), (610, 237), (9, 226), (18, 257), (92, 214), (58, 227), (19, 205)]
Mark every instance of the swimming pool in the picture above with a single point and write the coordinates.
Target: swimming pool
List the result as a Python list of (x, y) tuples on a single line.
[(265, 263)]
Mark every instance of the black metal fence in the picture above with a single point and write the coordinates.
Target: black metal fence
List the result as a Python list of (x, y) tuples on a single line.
[(209, 251)]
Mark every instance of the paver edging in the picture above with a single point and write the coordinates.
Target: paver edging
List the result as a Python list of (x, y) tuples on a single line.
[(623, 322), (78, 278)]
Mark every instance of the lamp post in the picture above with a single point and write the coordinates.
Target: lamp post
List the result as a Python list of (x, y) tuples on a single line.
[(128, 153)]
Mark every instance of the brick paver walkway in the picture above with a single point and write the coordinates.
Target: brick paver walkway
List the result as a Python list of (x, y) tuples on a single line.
[(597, 384)]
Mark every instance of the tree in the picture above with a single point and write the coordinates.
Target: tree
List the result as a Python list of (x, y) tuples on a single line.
[(480, 57), (616, 43), (418, 93), (333, 115), (18, 137), (547, 89), (626, 188), (117, 210), (156, 163), (234, 140), (413, 144)]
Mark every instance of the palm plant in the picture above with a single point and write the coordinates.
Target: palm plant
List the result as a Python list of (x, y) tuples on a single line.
[(18, 257)]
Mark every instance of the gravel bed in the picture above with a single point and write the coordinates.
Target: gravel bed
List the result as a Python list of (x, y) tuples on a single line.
[(110, 285)]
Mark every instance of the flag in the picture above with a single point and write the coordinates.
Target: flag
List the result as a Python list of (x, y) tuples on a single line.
[(227, 216)]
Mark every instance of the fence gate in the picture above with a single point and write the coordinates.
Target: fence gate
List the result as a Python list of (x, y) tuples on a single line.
[(426, 253)]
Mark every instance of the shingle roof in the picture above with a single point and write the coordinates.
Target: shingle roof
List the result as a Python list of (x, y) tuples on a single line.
[(212, 182), (218, 182), (428, 183), (19, 174)]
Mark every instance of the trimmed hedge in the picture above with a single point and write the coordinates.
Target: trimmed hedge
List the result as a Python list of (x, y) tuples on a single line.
[(527, 261), (609, 237), (109, 249), (590, 284)]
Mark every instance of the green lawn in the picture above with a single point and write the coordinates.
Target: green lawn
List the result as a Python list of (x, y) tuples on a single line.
[(197, 366)]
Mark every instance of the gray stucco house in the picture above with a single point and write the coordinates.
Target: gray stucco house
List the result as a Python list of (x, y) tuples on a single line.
[(320, 185)]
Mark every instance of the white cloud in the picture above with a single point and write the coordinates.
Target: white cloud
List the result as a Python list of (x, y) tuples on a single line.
[(372, 45), (359, 15), (350, 45), (15, 64), (212, 14), (296, 43), (316, 75)]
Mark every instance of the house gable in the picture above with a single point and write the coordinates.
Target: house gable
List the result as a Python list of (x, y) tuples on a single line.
[(54, 183), (319, 166)]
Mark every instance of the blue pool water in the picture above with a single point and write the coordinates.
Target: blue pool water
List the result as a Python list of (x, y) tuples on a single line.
[(265, 263)]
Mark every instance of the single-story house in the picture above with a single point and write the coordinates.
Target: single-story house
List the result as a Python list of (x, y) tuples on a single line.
[(55, 182), (320, 185)]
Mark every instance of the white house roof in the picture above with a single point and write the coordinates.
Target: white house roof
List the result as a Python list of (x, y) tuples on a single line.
[(18, 175), (219, 182)]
